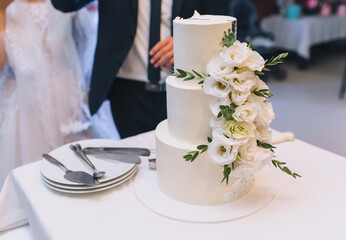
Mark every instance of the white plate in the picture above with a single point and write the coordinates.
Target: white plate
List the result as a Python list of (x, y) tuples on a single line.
[(64, 154), (87, 187), (59, 189)]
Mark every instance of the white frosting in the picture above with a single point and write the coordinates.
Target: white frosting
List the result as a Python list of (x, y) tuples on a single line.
[(188, 112), (197, 41)]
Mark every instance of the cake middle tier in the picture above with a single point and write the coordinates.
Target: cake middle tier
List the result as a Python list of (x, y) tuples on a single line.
[(188, 112)]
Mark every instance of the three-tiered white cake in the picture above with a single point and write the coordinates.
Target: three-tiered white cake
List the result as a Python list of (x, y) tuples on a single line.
[(196, 42)]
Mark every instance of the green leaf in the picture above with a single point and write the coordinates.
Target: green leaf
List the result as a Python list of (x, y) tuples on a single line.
[(201, 82), (209, 139), (201, 147), (189, 78), (188, 157), (194, 156), (199, 75), (259, 73)]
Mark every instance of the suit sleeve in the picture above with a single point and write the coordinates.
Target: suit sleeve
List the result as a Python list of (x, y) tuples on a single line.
[(70, 5)]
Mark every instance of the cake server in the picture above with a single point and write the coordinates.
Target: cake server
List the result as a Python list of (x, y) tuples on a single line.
[(119, 150), (73, 176)]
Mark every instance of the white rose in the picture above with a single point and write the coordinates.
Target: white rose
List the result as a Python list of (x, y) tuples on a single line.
[(236, 54), (243, 81), (247, 151), (216, 102), (265, 114), (221, 153), (240, 132), (239, 98), (254, 61), (217, 87), (245, 113), (264, 134), (217, 67)]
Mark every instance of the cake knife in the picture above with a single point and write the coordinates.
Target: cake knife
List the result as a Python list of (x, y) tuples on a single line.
[(126, 151)]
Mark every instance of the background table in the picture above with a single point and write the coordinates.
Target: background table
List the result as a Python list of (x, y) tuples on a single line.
[(312, 207), (300, 34)]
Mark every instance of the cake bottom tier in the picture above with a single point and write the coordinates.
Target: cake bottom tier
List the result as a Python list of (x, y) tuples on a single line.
[(197, 182)]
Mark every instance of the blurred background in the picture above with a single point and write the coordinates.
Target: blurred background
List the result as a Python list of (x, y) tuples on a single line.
[(309, 87)]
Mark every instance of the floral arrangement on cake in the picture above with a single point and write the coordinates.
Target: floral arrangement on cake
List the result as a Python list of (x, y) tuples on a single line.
[(241, 137)]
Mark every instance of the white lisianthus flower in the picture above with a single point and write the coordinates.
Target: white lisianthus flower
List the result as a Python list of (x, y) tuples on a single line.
[(262, 157), (239, 98), (216, 102), (265, 114), (254, 61), (236, 54), (259, 84), (217, 87), (245, 113), (223, 136), (239, 55), (221, 153), (218, 68), (264, 134), (216, 122), (240, 132), (243, 81), (242, 180), (247, 151)]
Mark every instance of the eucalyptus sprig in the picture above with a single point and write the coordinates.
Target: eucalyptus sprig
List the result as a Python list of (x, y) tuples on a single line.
[(282, 167), (227, 111), (191, 156), (187, 76), (227, 169), (262, 93), (265, 145), (272, 62), (228, 38)]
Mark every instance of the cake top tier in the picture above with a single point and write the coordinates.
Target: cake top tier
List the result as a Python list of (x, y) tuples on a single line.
[(197, 40), (198, 19)]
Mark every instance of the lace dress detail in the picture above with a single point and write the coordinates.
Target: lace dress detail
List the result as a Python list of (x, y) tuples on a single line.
[(43, 92)]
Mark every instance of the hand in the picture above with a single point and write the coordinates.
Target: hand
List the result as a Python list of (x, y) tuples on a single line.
[(162, 53), (93, 6)]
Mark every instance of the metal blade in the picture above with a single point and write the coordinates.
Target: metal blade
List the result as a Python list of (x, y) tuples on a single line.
[(127, 151), (81, 177), (126, 158)]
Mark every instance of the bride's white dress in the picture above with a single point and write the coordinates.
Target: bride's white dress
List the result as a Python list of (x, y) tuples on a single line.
[(43, 91)]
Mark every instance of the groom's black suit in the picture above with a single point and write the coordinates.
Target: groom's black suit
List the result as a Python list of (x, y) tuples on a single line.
[(117, 29)]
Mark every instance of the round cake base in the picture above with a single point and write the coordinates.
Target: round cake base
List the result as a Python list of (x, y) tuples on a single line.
[(150, 195)]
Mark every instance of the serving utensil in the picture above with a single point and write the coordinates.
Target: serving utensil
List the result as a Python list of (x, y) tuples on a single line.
[(118, 150), (79, 151), (73, 176)]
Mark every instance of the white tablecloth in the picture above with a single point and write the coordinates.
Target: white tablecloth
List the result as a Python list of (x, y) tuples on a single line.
[(300, 34), (312, 207)]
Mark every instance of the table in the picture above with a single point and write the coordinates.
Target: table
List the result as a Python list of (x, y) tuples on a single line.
[(312, 207), (300, 34)]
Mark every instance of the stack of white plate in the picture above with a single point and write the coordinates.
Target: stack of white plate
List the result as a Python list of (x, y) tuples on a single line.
[(116, 172)]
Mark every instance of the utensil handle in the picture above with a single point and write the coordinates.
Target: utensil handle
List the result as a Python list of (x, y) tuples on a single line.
[(84, 157), (55, 162)]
